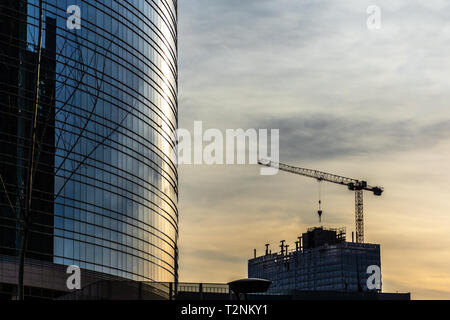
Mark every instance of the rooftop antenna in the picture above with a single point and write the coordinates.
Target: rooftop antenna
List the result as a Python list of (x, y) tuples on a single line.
[(282, 246)]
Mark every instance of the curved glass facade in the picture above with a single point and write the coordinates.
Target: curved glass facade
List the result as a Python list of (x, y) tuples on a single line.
[(112, 116)]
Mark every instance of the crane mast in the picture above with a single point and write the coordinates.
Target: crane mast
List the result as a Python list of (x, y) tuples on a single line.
[(352, 184)]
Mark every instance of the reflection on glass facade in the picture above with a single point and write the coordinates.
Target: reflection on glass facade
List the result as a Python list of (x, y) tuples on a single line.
[(114, 203)]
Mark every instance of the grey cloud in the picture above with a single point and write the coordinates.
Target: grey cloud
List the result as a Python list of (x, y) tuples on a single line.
[(245, 57), (323, 136)]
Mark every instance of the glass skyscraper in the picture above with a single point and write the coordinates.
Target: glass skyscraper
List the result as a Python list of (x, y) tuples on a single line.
[(105, 181)]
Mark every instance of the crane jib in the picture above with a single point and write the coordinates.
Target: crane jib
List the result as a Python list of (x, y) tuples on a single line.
[(352, 184)]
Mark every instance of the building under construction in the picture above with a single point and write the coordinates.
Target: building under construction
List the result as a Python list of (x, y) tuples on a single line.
[(322, 260)]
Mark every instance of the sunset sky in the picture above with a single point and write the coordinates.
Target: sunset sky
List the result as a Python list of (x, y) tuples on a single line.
[(369, 104)]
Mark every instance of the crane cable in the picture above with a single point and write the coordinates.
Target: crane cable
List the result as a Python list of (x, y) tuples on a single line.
[(319, 211)]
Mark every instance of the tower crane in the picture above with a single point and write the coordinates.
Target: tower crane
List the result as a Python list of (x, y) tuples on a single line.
[(352, 184)]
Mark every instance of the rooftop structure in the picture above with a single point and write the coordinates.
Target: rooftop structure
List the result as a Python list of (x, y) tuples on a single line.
[(322, 261)]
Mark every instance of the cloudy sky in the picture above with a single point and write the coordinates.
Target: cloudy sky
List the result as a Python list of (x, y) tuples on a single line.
[(369, 104)]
